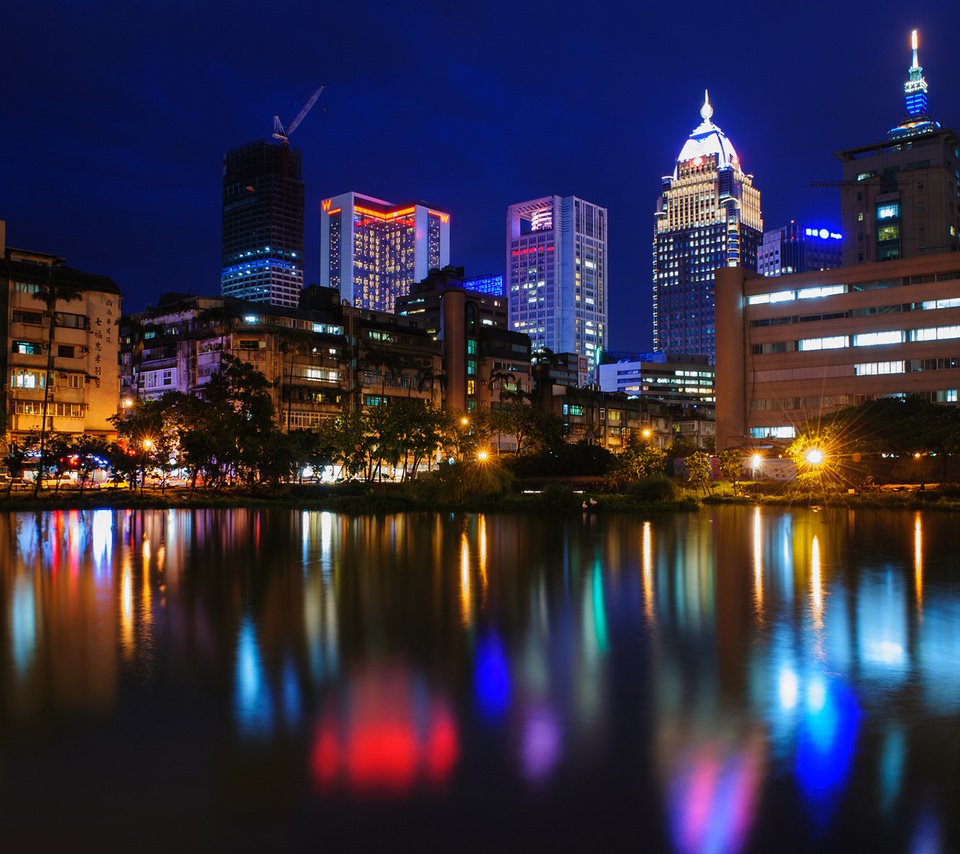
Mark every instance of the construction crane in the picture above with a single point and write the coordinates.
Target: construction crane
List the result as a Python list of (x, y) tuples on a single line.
[(283, 133)]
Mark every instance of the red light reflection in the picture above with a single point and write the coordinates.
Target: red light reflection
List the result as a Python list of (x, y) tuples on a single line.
[(384, 737)]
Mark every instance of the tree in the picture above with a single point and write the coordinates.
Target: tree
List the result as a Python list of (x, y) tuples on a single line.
[(16, 460), (240, 403), (639, 459), (146, 434), (730, 464), (698, 469), (92, 453), (533, 430)]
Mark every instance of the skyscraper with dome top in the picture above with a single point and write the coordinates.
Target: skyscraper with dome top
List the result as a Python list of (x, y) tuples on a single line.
[(708, 216)]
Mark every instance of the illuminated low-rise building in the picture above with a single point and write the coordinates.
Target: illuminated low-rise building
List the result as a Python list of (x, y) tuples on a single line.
[(667, 377), (74, 375), (796, 248), (557, 274), (372, 251), (796, 347), (708, 216)]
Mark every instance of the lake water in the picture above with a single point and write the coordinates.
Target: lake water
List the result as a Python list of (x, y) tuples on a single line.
[(736, 679)]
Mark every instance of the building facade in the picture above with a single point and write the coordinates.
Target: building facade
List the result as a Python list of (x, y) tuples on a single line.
[(557, 274), (795, 248), (708, 216), (796, 347), (661, 376), (484, 363), (75, 371), (322, 360), (900, 198), (262, 245), (372, 251), (490, 285)]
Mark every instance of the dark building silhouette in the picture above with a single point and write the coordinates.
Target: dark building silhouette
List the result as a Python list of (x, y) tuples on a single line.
[(262, 248)]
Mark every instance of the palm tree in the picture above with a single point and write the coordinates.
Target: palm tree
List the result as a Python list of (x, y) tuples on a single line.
[(51, 294)]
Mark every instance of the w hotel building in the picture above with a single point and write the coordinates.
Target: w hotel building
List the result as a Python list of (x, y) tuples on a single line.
[(372, 251), (792, 348)]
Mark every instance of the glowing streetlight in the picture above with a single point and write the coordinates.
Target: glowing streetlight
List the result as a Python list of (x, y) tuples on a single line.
[(148, 444), (814, 457), (755, 461), (646, 432), (127, 402), (482, 456), (464, 422)]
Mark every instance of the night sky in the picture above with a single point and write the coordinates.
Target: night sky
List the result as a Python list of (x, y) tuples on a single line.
[(115, 116)]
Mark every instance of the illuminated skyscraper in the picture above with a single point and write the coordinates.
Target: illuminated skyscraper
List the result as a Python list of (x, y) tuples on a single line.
[(557, 274), (262, 247), (372, 251), (901, 197), (708, 216)]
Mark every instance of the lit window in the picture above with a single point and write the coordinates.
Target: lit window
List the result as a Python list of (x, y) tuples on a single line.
[(872, 339)]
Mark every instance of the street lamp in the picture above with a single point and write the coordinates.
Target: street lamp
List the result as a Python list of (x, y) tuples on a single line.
[(646, 432), (814, 457), (482, 456), (148, 444)]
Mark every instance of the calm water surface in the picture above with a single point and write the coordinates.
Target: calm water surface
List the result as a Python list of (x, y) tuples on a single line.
[(731, 680)]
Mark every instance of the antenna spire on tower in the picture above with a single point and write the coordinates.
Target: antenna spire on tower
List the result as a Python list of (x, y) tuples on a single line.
[(706, 111)]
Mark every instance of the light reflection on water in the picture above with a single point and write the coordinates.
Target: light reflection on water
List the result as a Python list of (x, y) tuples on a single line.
[(739, 671)]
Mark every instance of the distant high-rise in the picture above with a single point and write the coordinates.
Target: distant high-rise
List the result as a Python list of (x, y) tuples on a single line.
[(372, 251), (798, 249), (557, 274), (708, 216), (900, 198), (262, 247)]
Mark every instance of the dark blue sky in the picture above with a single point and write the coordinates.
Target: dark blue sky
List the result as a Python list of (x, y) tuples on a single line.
[(115, 116)]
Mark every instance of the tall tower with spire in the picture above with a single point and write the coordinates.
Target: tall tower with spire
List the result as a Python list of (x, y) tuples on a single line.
[(900, 198), (708, 216), (916, 120)]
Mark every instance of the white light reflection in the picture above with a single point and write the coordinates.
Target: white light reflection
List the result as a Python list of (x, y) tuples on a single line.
[(102, 539), (758, 561), (816, 581), (465, 595), (482, 536), (326, 540), (23, 624), (648, 571), (918, 558), (789, 689)]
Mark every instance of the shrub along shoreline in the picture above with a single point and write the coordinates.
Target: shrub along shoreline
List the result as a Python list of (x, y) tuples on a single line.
[(652, 494)]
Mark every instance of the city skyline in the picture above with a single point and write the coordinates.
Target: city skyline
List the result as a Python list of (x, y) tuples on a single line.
[(120, 173)]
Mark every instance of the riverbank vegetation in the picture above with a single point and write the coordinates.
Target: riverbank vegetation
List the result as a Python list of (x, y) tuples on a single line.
[(225, 448)]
